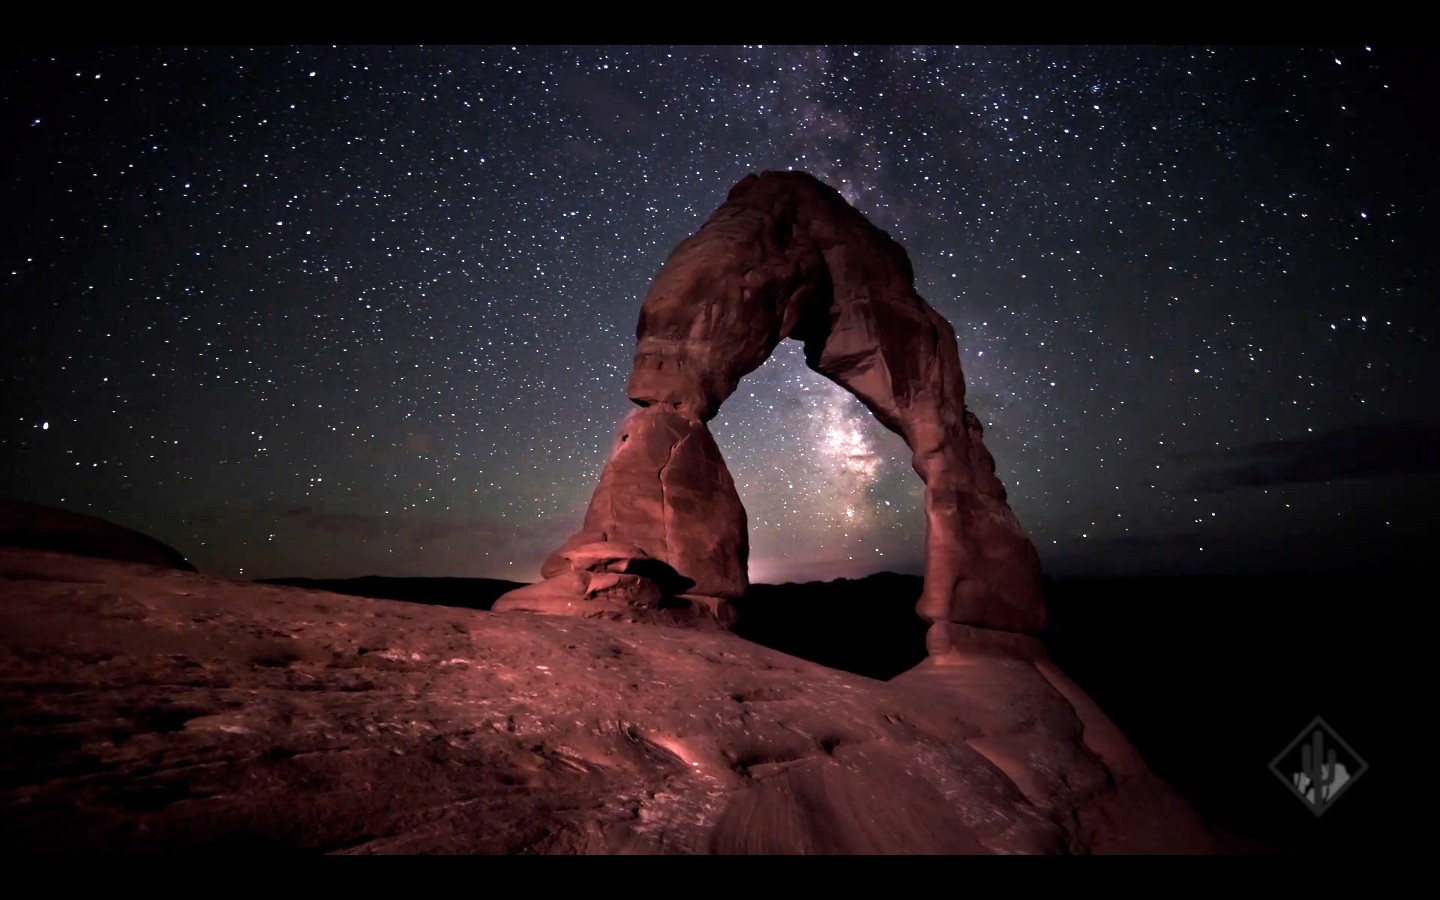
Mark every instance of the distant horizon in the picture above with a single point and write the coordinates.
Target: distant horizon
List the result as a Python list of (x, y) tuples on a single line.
[(1352, 572), (1235, 558)]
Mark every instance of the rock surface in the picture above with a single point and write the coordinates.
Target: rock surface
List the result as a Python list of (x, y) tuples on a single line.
[(667, 492), (46, 528), (148, 709), (787, 257)]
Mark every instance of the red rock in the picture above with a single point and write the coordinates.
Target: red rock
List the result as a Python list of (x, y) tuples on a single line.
[(604, 556), (633, 591), (562, 595), (583, 593), (557, 562), (786, 257), (665, 508), (151, 710)]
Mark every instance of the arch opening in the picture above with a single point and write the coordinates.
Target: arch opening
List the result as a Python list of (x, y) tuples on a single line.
[(828, 491)]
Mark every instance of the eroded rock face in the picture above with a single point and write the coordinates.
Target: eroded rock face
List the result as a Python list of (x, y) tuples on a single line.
[(665, 519), (666, 491), (787, 257)]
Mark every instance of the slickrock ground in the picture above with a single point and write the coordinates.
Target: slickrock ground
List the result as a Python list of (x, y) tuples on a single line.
[(150, 709)]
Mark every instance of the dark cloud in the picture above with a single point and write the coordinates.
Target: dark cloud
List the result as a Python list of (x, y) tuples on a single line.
[(1367, 450)]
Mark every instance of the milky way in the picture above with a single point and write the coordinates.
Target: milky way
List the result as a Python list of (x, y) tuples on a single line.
[(370, 310)]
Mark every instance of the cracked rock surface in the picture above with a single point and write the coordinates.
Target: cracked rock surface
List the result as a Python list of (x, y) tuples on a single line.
[(151, 709)]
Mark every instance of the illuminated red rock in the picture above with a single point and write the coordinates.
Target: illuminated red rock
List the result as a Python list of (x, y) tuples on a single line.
[(787, 257), (666, 490), (665, 511), (150, 710)]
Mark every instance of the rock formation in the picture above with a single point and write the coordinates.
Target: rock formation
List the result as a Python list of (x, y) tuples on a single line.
[(787, 257), (46, 528), (150, 710), (665, 524)]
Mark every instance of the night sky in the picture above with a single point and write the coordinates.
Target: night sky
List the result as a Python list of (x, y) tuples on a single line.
[(336, 311)]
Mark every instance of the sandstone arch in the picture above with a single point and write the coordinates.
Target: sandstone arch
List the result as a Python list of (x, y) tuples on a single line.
[(787, 257)]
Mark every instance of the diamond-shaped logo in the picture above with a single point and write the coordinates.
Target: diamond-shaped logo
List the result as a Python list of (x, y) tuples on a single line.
[(1318, 766)]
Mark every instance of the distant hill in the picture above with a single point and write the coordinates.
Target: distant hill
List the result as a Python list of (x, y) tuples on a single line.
[(45, 528), (465, 593), (864, 625)]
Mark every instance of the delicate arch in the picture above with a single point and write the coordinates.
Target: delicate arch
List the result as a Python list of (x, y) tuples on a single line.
[(787, 257)]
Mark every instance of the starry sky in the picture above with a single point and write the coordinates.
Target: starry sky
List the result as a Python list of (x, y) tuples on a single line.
[(336, 311)]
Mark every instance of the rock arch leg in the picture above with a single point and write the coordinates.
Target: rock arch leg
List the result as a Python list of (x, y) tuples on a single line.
[(664, 535), (901, 361)]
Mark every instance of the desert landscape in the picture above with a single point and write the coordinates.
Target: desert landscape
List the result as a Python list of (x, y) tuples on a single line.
[(148, 708), (608, 708)]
